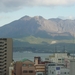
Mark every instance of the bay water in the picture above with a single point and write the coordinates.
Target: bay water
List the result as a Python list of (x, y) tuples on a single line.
[(18, 56)]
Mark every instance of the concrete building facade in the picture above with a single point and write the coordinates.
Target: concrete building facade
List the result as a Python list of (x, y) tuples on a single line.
[(72, 67), (25, 67), (61, 57), (6, 55), (40, 73), (39, 67), (56, 69)]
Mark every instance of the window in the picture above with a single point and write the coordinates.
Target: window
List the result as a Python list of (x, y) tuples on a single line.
[(52, 72), (1, 42), (39, 74), (51, 65), (1, 45), (1, 48), (68, 72), (5, 57), (5, 53), (59, 59), (4, 73), (57, 68), (25, 71), (5, 63), (30, 65), (5, 43), (5, 47), (30, 71), (64, 72), (5, 50), (5, 67), (5, 60), (24, 65)]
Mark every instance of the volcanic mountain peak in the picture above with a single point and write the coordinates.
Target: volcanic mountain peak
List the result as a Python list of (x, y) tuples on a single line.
[(38, 17), (25, 18), (38, 26)]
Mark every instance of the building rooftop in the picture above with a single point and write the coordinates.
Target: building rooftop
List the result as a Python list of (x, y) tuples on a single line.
[(23, 60)]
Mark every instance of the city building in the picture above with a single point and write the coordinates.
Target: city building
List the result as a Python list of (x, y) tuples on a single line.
[(27, 67), (11, 69), (40, 73), (56, 69), (39, 66), (37, 60), (60, 57), (24, 67), (6, 55), (72, 67)]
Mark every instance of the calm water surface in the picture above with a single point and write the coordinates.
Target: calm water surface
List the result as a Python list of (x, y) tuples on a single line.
[(17, 56)]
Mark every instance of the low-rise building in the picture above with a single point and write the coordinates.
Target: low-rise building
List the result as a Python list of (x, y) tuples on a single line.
[(39, 67), (11, 69), (61, 57), (24, 67), (56, 69)]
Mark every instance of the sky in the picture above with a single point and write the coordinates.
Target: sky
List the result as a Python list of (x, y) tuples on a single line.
[(11, 10)]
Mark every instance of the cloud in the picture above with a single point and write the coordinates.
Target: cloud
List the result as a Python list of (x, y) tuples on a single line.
[(10, 5), (71, 17), (53, 42), (67, 17)]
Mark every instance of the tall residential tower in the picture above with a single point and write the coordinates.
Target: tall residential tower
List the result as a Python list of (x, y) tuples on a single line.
[(6, 55)]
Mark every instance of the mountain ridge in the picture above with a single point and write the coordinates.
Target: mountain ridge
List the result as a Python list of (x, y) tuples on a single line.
[(39, 27)]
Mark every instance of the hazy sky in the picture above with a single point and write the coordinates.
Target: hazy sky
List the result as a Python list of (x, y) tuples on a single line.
[(11, 10)]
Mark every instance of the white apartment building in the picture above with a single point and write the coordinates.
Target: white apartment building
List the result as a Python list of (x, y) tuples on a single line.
[(56, 69), (60, 58)]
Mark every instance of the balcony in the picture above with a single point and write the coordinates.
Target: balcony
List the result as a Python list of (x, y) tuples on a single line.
[(3, 60), (2, 72), (3, 51)]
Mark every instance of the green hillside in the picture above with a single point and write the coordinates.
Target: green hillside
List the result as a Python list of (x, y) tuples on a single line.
[(34, 44), (38, 40)]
